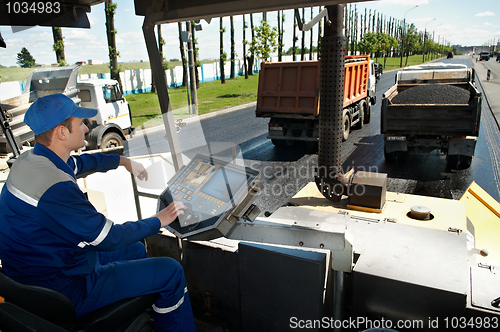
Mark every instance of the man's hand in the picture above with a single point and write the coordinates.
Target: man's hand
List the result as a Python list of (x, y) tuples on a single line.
[(168, 214), (134, 168)]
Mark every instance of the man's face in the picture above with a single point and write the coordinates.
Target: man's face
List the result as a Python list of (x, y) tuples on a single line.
[(77, 136)]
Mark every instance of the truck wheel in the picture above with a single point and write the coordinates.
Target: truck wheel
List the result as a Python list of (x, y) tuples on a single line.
[(278, 142), (465, 162), (452, 161), (361, 115), (312, 147), (368, 112), (401, 156), (111, 140), (347, 127), (396, 156), (390, 157)]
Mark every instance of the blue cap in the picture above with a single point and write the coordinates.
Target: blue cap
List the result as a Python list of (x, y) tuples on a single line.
[(49, 111)]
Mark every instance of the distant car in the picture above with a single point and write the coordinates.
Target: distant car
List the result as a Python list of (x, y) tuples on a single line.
[(450, 55), (484, 56)]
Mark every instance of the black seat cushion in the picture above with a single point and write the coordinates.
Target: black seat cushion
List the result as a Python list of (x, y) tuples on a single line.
[(57, 309), (42, 302), (110, 317)]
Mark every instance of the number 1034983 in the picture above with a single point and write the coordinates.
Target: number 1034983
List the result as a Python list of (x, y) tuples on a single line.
[(33, 7), (472, 322)]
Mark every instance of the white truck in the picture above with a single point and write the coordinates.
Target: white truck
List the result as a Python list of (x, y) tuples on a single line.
[(434, 107), (108, 129)]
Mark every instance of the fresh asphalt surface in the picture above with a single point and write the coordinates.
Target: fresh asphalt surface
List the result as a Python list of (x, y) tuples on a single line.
[(285, 171)]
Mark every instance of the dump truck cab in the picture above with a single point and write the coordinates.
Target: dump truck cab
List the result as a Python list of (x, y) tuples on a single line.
[(108, 129)]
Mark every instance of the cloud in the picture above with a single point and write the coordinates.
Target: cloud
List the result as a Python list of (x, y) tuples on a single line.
[(485, 14), (93, 20), (129, 38), (422, 19), (462, 35), (487, 23)]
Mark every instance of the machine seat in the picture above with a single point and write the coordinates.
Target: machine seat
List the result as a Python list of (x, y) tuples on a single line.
[(33, 308)]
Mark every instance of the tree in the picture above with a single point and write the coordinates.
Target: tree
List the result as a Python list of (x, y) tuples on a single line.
[(233, 52), (369, 43), (24, 59), (183, 56), (195, 53), (58, 45), (161, 42), (389, 43), (295, 38), (280, 36), (223, 55), (303, 42), (245, 68), (411, 43), (110, 9), (252, 55), (311, 39), (265, 41), (319, 35)]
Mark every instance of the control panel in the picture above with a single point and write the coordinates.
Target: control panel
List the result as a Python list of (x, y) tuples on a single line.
[(212, 190)]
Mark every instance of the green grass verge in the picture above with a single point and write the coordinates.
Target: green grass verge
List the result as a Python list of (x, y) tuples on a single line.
[(212, 96), (393, 63)]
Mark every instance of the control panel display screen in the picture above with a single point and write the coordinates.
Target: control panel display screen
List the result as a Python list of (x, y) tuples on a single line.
[(209, 188)]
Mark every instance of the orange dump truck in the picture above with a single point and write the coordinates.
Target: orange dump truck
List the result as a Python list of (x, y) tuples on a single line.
[(289, 95)]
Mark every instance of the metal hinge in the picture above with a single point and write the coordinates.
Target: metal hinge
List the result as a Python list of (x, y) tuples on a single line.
[(486, 266), (357, 218), (454, 230)]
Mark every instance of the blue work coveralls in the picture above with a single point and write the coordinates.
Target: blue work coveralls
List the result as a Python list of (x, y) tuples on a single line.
[(52, 236)]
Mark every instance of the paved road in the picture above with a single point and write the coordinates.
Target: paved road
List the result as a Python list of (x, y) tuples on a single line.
[(491, 86), (285, 171)]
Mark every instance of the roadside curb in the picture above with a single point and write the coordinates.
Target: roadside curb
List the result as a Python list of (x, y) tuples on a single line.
[(482, 73)]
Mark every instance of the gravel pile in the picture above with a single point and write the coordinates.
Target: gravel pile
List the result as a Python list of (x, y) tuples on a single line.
[(433, 94)]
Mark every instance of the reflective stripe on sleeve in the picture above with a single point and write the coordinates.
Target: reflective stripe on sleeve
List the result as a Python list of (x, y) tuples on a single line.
[(21, 195), (100, 237), (76, 166), (172, 308)]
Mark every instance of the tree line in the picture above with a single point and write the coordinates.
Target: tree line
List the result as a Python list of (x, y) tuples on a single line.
[(375, 33), (370, 32)]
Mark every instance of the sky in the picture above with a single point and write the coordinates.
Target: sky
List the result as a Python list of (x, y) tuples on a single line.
[(462, 22)]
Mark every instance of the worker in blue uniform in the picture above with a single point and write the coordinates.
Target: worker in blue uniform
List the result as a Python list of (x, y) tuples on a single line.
[(52, 236)]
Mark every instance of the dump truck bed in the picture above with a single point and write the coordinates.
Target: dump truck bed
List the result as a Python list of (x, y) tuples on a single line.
[(292, 88), (431, 119), (41, 82)]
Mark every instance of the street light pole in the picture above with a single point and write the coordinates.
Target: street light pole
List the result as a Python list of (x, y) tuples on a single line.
[(404, 36), (425, 37)]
